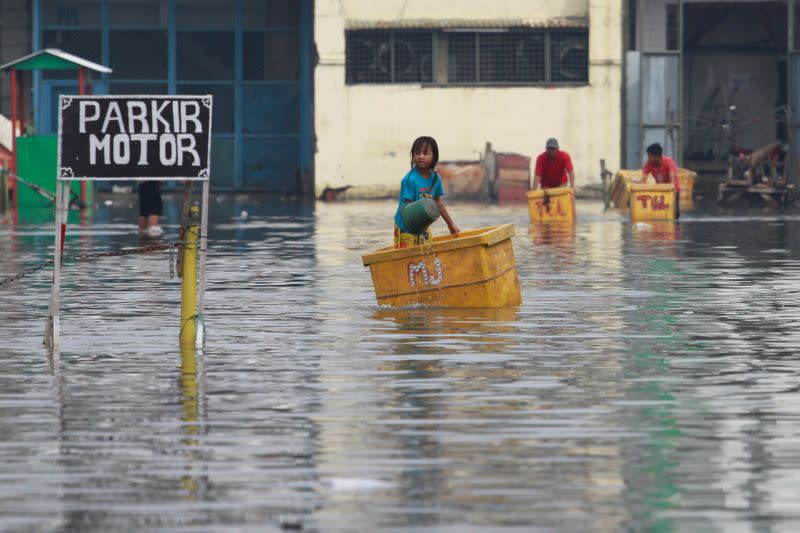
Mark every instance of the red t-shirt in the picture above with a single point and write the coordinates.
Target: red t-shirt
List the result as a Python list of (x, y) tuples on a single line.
[(662, 173), (553, 170)]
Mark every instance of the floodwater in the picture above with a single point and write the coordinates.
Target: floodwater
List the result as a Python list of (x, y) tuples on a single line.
[(649, 382)]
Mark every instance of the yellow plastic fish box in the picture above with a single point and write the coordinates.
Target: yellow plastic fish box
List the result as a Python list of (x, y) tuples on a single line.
[(687, 178), (620, 189), (652, 201), (552, 205), (472, 269)]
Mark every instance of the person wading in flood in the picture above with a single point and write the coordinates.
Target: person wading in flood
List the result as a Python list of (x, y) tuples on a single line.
[(150, 208), (664, 170), (422, 181), (553, 168)]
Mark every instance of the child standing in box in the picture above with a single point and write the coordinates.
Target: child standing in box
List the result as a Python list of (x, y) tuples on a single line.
[(422, 181)]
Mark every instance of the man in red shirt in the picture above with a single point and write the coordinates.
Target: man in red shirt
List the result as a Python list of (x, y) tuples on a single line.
[(553, 168), (661, 167), (664, 170)]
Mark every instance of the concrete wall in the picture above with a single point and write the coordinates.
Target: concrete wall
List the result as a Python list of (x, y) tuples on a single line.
[(15, 42), (364, 132)]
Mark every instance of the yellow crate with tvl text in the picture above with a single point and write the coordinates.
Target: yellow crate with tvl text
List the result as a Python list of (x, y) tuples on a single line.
[(652, 201), (552, 205), (475, 268), (620, 188)]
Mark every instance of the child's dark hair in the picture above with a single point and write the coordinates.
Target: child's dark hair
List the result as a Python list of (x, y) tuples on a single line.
[(422, 142)]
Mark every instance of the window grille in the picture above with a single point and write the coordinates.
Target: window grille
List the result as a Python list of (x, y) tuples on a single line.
[(82, 43), (137, 88), (223, 94), (461, 58), (413, 53), (511, 57), (569, 60), (258, 124), (497, 57), (270, 13), (61, 13), (138, 54), (269, 55), (389, 57), (205, 55), (138, 13), (205, 14)]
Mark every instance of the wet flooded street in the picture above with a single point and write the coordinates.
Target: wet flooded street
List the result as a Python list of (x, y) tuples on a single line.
[(649, 381)]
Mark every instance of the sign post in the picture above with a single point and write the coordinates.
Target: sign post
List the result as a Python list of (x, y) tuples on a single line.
[(130, 138)]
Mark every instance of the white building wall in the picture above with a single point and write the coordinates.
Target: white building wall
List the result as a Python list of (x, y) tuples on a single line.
[(364, 132)]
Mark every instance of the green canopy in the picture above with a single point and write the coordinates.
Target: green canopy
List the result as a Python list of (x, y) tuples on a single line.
[(53, 59)]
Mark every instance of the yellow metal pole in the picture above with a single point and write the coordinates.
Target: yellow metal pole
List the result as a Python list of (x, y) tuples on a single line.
[(190, 398), (189, 281), (189, 393)]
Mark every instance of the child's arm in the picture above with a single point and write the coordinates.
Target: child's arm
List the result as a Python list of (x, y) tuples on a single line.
[(446, 216), (406, 190)]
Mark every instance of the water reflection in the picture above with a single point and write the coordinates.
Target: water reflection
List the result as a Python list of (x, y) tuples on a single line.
[(560, 236), (655, 231), (652, 477), (647, 383), (192, 379)]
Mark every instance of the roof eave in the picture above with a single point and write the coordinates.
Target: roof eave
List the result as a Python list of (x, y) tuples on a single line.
[(468, 24), (60, 54)]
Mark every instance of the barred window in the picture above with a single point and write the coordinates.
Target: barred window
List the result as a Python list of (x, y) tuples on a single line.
[(495, 57), (461, 59), (511, 57), (569, 56), (389, 57)]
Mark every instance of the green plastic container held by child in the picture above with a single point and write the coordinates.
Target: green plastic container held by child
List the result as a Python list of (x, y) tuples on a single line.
[(417, 216)]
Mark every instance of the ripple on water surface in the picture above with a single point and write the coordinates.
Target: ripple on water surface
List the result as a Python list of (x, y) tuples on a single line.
[(648, 382)]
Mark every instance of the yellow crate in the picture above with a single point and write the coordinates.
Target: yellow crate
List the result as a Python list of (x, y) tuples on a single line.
[(620, 190), (621, 187), (652, 201), (552, 205), (472, 269), (687, 178)]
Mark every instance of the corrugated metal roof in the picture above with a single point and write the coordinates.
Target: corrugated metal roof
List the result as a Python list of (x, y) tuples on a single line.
[(466, 24)]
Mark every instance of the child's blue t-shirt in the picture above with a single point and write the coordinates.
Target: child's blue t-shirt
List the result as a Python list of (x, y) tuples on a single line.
[(412, 188)]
